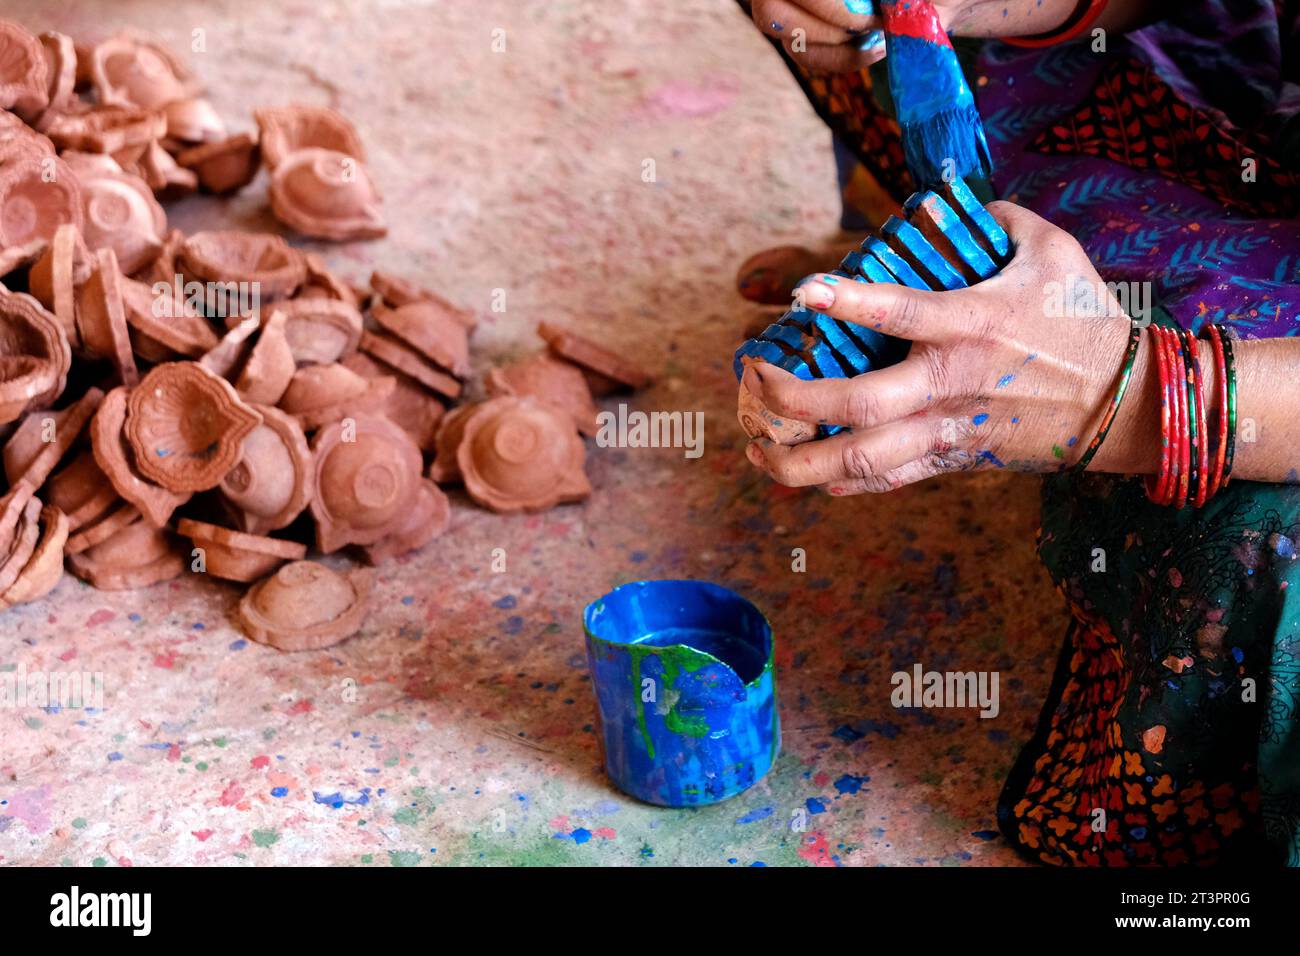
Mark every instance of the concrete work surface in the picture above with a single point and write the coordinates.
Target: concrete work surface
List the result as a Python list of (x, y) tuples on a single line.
[(608, 170)]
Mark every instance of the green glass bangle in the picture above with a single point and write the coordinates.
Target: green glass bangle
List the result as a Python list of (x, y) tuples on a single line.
[(1230, 370), (1121, 389)]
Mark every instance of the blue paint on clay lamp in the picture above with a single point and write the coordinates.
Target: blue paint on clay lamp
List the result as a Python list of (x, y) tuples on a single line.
[(686, 690)]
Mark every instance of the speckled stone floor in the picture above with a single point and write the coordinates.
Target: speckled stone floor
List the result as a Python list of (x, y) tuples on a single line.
[(456, 728)]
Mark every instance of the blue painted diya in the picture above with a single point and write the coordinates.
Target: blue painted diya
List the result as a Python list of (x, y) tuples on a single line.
[(812, 345), (686, 691)]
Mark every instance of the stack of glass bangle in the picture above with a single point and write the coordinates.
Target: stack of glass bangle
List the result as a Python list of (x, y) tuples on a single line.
[(812, 345)]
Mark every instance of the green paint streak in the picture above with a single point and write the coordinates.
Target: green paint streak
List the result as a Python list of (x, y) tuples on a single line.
[(367, 858), (99, 861), (220, 741), (404, 857), (265, 838), (34, 723), (79, 823), (201, 766), (1058, 451), (407, 816)]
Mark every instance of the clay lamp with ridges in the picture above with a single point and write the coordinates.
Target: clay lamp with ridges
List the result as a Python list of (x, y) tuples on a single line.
[(551, 381), (129, 71), (32, 204), (236, 556), (275, 477), (328, 195), (428, 517), (55, 277), (444, 469), (186, 426), (101, 318), (34, 356), (321, 330), (321, 394), (305, 606), (409, 405), (163, 326), (367, 476), (243, 257), (517, 454), (115, 458), (38, 445), (23, 72), (605, 370), (223, 166), (122, 214), (81, 491), (60, 74), (284, 130), (45, 566), (134, 556), (22, 543)]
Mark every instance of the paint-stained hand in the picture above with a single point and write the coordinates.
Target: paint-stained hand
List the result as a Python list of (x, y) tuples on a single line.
[(1014, 372)]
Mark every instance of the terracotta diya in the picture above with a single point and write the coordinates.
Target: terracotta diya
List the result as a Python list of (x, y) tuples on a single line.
[(133, 556), (397, 292), (321, 394), (186, 426), (426, 327), (270, 365), (18, 140), (81, 491), (23, 86), (107, 128), (60, 71), (244, 257), (232, 351), (32, 204), (367, 475), (326, 194), (20, 257), (162, 325), (192, 120), (322, 283), (550, 381), (606, 371), (55, 276), (305, 606), (43, 438), (275, 476), (117, 460), (321, 330), (397, 354), (129, 70), (225, 165), (34, 356), (428, 517), (236, 556), (451, 431), (520, 455), (163, 174), (409, 405), (286, 129), (101, 318), (759, 422), (22, 543), (44, 567), (122, 214)]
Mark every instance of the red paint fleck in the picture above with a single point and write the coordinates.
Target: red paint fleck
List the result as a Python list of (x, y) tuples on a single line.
[(232, 795), (605, 833), (202, 835), (560, 822), (302, 707), (821, 778), (68, 654), (260, 761), (815, 849), (173, 753), (102, 616), (166, 660)]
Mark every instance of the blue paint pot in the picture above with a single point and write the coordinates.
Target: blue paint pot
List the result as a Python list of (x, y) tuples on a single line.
[(686, 690)]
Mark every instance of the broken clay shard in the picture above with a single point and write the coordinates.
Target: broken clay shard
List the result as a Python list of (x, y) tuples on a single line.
[(367, 474), (101, 318), (275, 476), (23, 72), (426, 327), (284, 130), (236, 556), (321, 330), (270, 365), (305, 606), (605, 370), (519, 455), (34, 356), (186, 426), (328, 195), (33, 205), (244, 257), (397, 292), (551, 381)]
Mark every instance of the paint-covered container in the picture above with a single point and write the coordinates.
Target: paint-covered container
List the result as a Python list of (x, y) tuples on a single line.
[(686, 690)]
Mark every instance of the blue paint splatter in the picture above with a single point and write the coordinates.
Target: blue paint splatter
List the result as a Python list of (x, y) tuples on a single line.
[(815, 805), (279, 791), (850, 783), (1005, 380), (980, 419), (506, 603), (762, 813)]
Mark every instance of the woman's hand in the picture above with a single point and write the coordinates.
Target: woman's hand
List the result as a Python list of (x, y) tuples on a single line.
[(1013, 372)]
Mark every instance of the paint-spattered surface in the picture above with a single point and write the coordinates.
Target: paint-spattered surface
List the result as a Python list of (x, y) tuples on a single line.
[(458, 726)]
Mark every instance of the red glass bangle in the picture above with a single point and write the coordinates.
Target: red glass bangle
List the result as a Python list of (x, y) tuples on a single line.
[(1085, 15), (1184, 419), (1221, 421), (1157, 489), (1200, 426)]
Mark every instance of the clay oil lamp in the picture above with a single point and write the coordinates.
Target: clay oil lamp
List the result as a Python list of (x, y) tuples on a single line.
[(122, 214), (270, 365), (397, 354), (223, 166), (520, 455), (164, 175), (60, 72), (192, 121), (33, 204), (38, 445), (21, 257), (305, 606), (451, 431), (428, 329), (367, 476), (759, 422), (18, 140), (275, 476), (322, 283), (397, 292), (186, 426), (107, 128), (23, 73), (55, 276), (81, 491), (232, 351), (12, 505), (131, 70), (23, 539), (606, 372), (134, 556), (44, 568), (236, 556), (243, 257), (117, 518), (321, 330), (284, 130), (101, 318), (115, 458), (328, 195), (321, 394), (550, 381), (409, 405), (429, 517), (34, 356), (164, 326)]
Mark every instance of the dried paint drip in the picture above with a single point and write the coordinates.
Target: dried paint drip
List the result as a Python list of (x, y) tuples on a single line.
[(686, 689), (812, 345)]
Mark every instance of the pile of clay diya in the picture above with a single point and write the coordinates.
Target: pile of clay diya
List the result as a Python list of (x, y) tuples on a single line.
[(222, 402)]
